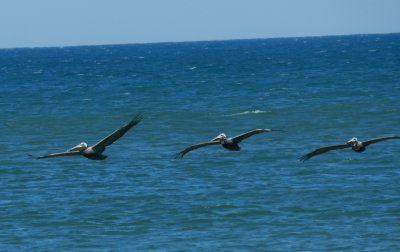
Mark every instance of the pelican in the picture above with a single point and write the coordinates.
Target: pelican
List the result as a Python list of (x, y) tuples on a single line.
[(228, 143), (95, 152), (353, 143)]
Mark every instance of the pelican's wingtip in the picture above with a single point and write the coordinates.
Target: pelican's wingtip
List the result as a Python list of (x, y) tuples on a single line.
[(303, 158), (178, 156), (138, 116), (32, 156)]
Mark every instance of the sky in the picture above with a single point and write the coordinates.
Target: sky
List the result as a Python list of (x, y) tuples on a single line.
[(48, 23)]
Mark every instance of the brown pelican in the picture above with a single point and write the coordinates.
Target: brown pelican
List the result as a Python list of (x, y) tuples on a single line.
[(228, 143), (354, 143), (95, 151)]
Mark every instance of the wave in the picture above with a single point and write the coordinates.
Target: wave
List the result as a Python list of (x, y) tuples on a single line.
[(250, 112)]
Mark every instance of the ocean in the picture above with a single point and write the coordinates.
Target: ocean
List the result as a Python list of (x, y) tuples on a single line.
[(319, 91)]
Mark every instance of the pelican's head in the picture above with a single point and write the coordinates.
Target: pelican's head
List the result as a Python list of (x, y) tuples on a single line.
[(220, 137), (353, 141), (79, 147)]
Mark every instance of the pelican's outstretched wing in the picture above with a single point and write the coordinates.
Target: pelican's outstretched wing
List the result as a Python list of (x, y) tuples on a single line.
[(116, 134), (67, 153), (193, 147), (375, 140), (239, 138), (323, 150)]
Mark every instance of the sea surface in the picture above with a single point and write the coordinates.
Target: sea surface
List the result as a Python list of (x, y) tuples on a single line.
[(318, 90)]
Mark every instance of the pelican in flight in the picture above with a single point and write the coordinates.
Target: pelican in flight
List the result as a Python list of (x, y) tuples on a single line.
[(228, 143), (95, 151), (353, 143)]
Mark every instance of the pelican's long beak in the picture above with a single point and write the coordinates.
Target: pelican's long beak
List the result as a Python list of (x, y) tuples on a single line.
[(79, 147), (218, 138)]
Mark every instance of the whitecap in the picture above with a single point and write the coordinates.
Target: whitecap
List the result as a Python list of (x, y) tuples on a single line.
[(250, 112)]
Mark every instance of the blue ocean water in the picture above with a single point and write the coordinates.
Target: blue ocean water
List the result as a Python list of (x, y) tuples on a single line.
[(319, 90)]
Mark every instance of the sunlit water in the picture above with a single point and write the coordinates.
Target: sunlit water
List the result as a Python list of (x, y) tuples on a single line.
[(320, 91)]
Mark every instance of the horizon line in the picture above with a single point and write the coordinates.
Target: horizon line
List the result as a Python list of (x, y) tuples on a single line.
[(195, 41)]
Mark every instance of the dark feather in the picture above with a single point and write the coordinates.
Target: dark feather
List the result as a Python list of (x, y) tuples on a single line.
[(67, 153), (193, 147), (323, 150), (239, 138), (375, 140), (116, 134)]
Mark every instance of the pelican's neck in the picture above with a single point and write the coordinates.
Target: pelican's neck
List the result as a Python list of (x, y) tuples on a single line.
[(222, 139)]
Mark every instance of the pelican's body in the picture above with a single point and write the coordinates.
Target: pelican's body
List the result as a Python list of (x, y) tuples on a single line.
[(95, 152), (354, 144), (228, 143), (92, 154)]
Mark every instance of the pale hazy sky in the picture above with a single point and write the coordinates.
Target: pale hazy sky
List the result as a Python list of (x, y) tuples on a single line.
[(38, 23)]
